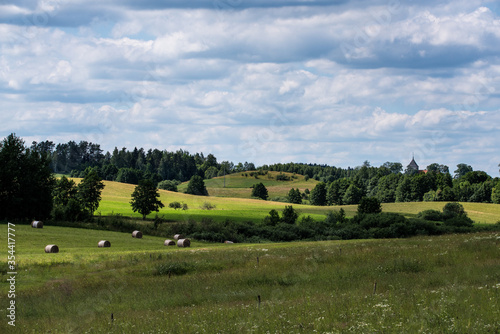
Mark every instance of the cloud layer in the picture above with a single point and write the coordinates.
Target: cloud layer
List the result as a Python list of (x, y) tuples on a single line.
[(335, 82)]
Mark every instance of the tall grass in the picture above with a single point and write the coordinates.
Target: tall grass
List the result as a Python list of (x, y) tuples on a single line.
[(431, 285)]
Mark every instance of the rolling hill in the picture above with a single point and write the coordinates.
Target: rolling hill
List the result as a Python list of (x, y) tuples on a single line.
[(116, 200)]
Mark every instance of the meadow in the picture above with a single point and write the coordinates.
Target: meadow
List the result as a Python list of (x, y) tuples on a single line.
[(419, 285), (116, 200), (239, 185)]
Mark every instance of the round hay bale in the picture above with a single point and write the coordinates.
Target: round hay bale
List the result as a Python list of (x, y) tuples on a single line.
[(104, 243), (183, 243), (228, 242), (36, 224), (51, 249), (178, 236), (169, 242), (137, 234)]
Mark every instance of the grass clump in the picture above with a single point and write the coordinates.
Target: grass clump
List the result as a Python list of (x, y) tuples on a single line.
[(174, 268)]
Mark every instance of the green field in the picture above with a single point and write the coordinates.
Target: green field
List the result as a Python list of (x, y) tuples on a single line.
[(239, 185), (447, 284), (116, 200)]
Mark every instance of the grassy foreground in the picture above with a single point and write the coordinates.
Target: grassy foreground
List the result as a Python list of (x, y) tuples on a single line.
[(429, 285)]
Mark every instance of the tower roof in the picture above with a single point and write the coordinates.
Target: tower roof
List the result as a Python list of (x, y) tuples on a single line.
[(412, 165)]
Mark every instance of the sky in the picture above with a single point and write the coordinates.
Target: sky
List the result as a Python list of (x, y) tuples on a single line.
[(334, 82)]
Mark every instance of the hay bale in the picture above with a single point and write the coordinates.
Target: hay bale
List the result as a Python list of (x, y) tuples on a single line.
[(228, 242), (183, 243), (36, 224), (169, 242), (104, 243), (178, 236), (51, 249), (137, 234)]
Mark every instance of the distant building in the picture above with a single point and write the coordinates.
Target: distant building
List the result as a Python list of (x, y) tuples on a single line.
[(413, 168)]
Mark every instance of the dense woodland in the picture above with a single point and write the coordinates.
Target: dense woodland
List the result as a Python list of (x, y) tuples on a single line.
[(339, 186)]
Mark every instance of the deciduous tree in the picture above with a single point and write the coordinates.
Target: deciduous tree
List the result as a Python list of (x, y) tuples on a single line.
[(145, 198), (196, 186), (369, 205), (294, 196), (26, 181), (89, 191), (318, 194)]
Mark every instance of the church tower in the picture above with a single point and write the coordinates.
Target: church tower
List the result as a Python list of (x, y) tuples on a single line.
[(412, 166)]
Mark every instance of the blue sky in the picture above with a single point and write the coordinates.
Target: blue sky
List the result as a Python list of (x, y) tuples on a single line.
[(330, 82)]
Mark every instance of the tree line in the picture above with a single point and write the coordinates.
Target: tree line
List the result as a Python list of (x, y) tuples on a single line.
[(388, 183), (27, 184), (28, 188), (131, 166)]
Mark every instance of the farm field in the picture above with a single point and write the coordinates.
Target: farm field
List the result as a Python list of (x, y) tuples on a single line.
[(426, 284), (239, 185), (116, 200)]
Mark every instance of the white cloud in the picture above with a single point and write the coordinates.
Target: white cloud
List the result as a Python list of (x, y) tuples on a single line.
[(263, 83)]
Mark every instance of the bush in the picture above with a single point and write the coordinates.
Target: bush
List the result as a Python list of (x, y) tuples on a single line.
[(380, 220), (282, 177), (208, 206), (453, 209), (432, 215), (289, 215), (459, 221), (174, 205), (334, 218), (170, 185), (369, 205), (157, 222)]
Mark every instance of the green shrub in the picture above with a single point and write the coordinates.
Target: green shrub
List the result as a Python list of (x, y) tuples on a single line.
[(378, 220), (369, 205), (208, 206), (459, 221), (174, 205), (282, 177), (432, 215), (170, 185), (453, 209)]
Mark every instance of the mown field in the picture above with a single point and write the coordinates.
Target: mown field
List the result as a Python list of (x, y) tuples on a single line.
[(116, 200), (239, 185), (446, 284)]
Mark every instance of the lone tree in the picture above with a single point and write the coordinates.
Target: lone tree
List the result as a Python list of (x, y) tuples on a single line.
[(89, 191), (294, 196), (196, 186), (259, 190), (145, 198)]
